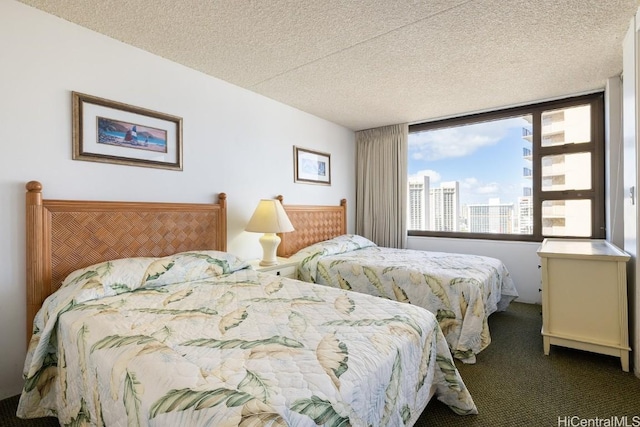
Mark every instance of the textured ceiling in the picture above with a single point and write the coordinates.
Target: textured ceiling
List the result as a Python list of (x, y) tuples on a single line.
[(364, 64)]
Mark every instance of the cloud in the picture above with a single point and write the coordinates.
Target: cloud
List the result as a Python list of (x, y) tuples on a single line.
[(474, 187), (469, 183), (458, 141), (491, 188), (433, 175)]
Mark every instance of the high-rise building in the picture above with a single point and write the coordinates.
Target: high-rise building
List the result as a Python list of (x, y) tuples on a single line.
[(566, 172), (434, 209), (524, 217), (559, 172), (444, 208), (418, 203), (492, 217)]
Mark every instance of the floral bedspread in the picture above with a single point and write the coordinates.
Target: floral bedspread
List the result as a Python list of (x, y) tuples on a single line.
[(461, 290), (198, 339)]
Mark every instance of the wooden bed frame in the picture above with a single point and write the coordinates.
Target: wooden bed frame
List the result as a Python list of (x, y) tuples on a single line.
[(312, 224), (65, 235)]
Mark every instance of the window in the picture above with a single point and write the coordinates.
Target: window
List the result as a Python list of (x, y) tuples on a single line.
[(523, 173)]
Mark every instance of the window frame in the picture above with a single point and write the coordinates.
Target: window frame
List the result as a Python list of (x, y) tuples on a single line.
[(595, 147)]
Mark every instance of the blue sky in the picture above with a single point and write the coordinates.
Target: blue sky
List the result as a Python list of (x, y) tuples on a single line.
[(485, 158)]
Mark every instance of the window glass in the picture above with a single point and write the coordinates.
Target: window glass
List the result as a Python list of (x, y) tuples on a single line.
[(566, 172), (566, 126), (472, 178), (562, 218), (522, 173)]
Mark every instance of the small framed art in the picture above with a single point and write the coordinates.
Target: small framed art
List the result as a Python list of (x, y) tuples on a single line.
[(311, 167), (113, 132)]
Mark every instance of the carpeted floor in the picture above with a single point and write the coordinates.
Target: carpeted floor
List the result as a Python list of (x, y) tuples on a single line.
[(8, 416), (514, 384)]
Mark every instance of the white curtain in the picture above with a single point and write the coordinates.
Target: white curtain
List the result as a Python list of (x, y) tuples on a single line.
[(381, 185)]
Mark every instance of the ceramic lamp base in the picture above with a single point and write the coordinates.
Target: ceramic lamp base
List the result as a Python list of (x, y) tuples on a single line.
[(269, 242)]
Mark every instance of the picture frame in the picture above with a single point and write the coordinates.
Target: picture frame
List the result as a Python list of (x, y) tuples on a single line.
[(311, 167), (113, 132)]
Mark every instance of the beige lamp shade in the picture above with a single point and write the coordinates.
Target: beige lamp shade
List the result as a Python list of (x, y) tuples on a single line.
[(269, 218)]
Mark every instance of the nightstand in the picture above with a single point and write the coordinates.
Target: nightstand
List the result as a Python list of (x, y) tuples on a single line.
[(284, 268)]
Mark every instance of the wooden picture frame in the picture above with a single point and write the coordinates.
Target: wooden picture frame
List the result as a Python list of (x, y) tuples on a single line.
[(311, 167), (113, 132)]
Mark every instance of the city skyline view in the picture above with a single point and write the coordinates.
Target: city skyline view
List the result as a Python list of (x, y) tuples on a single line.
[(463, 153), (480, 175)]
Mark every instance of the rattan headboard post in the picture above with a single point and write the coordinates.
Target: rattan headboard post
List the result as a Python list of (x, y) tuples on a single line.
[(38, 276), (222, 227), (312, 224), (65, 235)]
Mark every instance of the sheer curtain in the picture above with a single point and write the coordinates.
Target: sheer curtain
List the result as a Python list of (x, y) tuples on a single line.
[(381, 185)]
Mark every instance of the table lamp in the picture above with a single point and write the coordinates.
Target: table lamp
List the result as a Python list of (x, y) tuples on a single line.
[(269, 218)]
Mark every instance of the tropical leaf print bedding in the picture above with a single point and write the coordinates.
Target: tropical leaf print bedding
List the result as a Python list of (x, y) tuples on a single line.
[(237, 349), (461, 290)]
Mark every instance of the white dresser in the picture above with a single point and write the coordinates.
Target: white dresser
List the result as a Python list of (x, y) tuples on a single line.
[(584, 297)]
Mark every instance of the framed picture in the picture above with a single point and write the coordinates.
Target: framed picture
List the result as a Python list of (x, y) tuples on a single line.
[(311, 166), (113, 132)]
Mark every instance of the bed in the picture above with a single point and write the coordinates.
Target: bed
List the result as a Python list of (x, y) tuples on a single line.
[(142, 318), (462, 290)]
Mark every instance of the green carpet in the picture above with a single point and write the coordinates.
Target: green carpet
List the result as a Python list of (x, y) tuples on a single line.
[(514, 384)]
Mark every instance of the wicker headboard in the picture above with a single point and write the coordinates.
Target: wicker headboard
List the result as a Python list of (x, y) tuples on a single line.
[(312, 224), (65, 235)]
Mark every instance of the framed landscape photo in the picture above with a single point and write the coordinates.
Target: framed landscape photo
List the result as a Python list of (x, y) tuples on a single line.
[(113, 132), (311, 166)]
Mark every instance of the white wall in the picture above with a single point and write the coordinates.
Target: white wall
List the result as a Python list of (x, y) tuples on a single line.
[(234, 141), (631, 207), (614, 180)]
